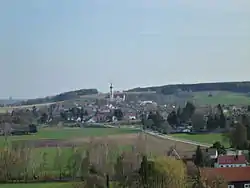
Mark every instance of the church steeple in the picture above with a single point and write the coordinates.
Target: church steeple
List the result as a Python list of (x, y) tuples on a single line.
[(111, 91)]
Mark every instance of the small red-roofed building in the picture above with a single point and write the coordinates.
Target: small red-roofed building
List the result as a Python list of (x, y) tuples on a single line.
[(224, 161), (237, 177)]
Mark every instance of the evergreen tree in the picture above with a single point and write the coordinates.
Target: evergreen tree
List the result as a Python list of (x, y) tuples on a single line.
[(173, 118), (147, 172), (219, 147), (249, 152), (239, 137), (199, 158), (246, 123)]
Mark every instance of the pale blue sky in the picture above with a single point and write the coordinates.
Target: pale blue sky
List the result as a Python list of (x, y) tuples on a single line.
[(51, 46)]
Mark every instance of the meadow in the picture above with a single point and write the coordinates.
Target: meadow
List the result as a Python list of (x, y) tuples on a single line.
[(38, 185), (68, 133), (49, 141), (221, 97), (209, 138), (52, 150)]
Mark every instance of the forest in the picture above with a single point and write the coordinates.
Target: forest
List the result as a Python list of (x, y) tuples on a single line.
[(238, 87)]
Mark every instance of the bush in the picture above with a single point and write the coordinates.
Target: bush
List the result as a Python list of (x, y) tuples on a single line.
[(32, 128)]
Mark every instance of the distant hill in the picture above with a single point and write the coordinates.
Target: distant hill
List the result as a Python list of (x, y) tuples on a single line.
[(160, 92), (9, 101), (60, 97), (237, 87)]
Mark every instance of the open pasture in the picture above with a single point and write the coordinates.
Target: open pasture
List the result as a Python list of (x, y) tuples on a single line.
[(209, 138), (149, 143), (67, 133), (50, 141), (52, 150), (221, 97), (112, 144), (37, 185)]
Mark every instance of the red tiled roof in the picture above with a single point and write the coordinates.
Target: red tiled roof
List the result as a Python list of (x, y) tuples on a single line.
[(234, 174), (231, 159)]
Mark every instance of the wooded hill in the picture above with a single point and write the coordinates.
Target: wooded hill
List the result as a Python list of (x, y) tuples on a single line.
[(61, 97), (238, 87)]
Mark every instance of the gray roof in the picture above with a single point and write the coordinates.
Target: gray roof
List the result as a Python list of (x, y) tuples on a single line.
[(209, 151)]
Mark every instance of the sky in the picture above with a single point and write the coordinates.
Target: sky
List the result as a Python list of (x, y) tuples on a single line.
[(53, 46)]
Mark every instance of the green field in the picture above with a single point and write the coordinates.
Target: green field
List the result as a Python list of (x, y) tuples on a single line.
[(37, 185), (221, 97), (67, 133), (40, 185), (52, 160), (203, 138)]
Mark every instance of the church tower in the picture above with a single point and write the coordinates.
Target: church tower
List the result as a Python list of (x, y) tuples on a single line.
[(111, 92)]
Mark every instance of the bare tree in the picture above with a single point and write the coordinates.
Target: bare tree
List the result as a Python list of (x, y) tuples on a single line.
[(85, 165), (58, 161), (43, 165), (74, 162)]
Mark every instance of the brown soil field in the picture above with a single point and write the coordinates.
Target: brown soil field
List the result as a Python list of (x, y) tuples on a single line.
[(147, 143)]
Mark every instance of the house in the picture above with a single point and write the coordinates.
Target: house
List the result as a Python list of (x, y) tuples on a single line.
[(132, 116), (212, 153), (237, 177), (231, 161), (118, 96), (92, 120)]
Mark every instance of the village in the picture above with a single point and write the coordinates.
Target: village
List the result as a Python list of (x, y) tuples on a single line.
[(228, 159)]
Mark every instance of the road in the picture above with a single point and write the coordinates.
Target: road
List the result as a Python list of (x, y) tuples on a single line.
[(166, 137)]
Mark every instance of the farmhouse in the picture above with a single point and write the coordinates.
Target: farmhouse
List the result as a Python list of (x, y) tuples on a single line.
[(237, 177), (231, 161), (211, 153)]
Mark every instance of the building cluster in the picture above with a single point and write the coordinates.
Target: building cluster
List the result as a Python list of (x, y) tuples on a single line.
[(233, 168)]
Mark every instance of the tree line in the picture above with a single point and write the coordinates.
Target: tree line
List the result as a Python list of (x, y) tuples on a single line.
[(60, 97), (155, 121), (241, 87), (189, 115), (235, 127)]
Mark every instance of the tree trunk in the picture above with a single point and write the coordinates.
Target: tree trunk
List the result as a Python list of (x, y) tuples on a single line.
[(107, 181)]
